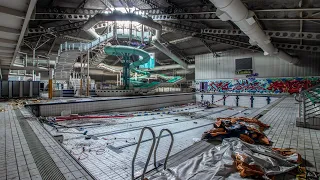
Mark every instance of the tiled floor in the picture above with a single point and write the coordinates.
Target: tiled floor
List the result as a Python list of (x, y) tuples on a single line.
[(16, 159), (284, 133)]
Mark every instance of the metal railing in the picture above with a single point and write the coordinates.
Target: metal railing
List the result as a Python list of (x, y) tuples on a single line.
[(309, 108), (153, 150)]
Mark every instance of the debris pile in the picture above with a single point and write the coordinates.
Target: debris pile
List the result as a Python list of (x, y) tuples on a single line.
[(249, 130), (236, 159)]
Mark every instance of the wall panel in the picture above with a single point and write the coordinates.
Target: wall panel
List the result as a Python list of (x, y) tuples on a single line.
[(208, 67)]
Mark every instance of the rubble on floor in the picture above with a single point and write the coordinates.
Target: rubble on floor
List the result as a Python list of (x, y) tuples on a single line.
[(249, 130)]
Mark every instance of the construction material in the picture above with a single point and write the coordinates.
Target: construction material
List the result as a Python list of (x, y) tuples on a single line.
[(249, 130), (233, 159)]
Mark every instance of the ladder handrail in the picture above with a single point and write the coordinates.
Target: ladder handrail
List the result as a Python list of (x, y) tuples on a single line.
[(150, 152), (169, 150)]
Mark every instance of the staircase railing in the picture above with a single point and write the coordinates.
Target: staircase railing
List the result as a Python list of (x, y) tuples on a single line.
[(309, 108)]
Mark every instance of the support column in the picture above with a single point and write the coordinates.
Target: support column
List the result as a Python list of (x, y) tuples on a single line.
[(31, 89), (10, 89), (142, 34), (130, 31), (117, 79), (81, 74), (126, 72), (50, 85), (33, 59), (88, 77), (120, 81)]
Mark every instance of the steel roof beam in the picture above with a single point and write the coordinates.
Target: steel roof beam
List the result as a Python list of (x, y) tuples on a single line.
[(31, 6), (276, 34), (189, 30), (297, 47)]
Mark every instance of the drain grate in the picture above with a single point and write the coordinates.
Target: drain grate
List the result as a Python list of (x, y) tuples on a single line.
[(46, 166)]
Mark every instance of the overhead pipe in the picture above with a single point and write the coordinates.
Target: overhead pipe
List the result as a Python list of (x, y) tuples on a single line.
[(93, 33), (119, 16), (238, 13), (17, 67)]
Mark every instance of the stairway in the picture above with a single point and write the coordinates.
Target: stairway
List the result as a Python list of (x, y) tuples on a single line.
[(309, 108)]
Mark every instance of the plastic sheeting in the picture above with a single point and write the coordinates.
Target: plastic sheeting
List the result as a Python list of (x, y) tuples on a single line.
[(219, 163)]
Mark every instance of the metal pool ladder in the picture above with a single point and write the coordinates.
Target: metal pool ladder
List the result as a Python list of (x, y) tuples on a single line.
[(151, 150)]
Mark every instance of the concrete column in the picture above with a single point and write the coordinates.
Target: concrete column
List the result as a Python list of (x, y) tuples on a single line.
[(142, 34), (81, 73), (10, 89), (130, 31), (120, 78), (88, 76), (33, 59), (31, 89), (5, 74), (117, 79), (21, 89)]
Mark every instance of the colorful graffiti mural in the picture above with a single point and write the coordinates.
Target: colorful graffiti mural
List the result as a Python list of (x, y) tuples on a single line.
[(259, 85)]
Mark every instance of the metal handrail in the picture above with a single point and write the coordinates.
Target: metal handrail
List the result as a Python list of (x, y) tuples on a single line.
[(311, 88), (150, 152), (308, 107), (169, 150)]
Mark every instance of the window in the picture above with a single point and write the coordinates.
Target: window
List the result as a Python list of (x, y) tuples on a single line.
[(244, 66)]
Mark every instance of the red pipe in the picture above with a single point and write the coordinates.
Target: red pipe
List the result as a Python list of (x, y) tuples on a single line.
[(73, 117)]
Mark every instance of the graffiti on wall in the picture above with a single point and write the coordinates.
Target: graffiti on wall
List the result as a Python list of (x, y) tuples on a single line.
[(259, 85)]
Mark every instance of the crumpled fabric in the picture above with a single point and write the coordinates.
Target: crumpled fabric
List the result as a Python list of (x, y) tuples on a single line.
[(219, 163), (249, 130)]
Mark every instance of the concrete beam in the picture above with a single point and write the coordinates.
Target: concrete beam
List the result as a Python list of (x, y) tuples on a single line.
[(12, 12), (9, 30), (6, 49), (8, 41), (5, 74), (31, 6)]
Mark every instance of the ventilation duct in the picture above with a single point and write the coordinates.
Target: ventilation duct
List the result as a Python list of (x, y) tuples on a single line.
[(238, 13), (118, 16), (93, 33)]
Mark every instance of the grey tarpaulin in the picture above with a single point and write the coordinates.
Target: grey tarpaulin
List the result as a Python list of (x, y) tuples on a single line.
[(218, 163)]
